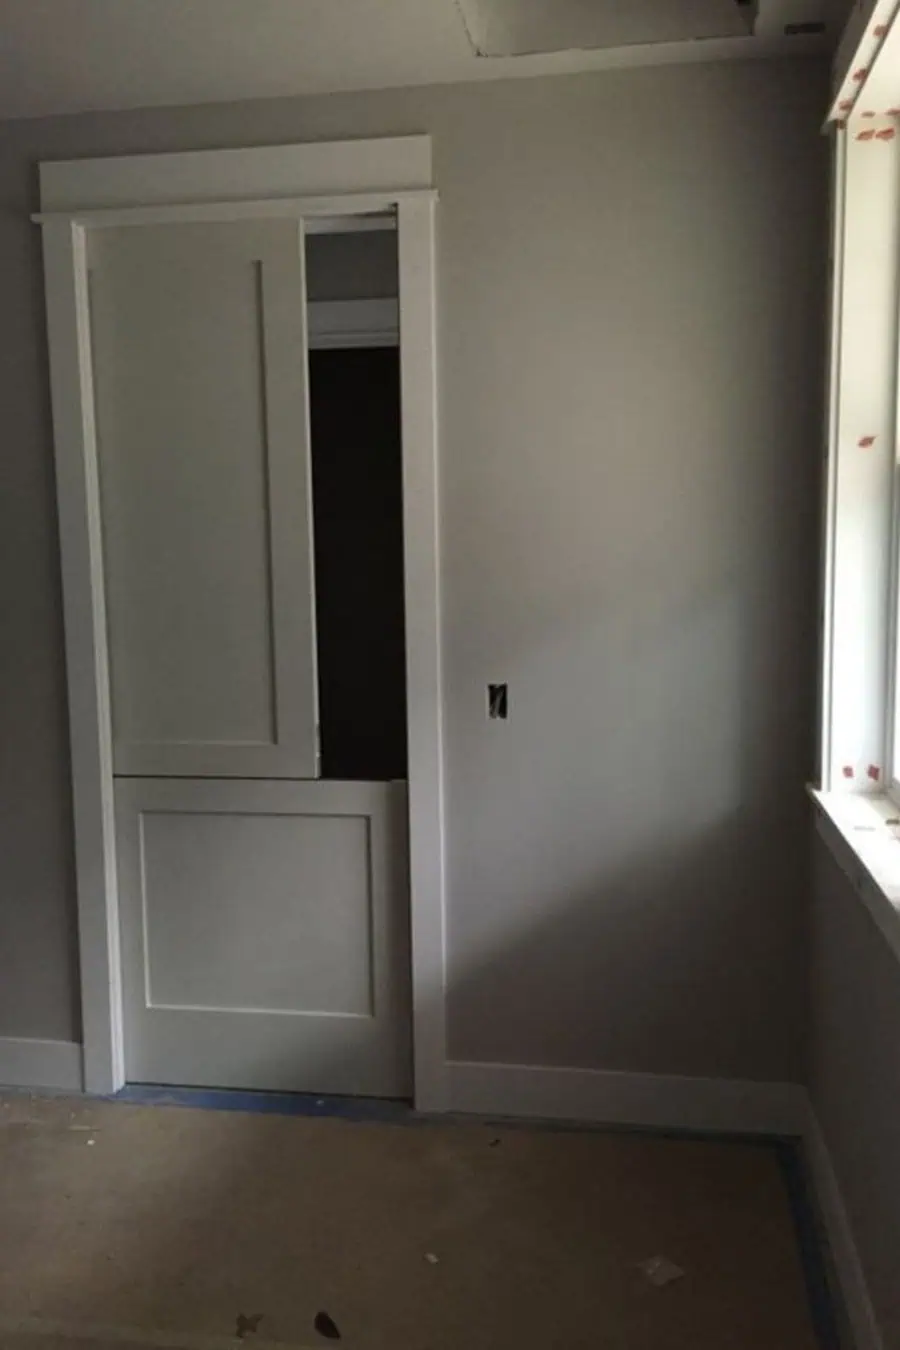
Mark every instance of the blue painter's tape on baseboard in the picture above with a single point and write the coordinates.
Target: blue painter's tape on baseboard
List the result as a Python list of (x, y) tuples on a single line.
[(810, 1245), (362, 1109), (269, 1103)]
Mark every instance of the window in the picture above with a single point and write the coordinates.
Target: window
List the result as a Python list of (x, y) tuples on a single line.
[(859, 792), (860, 630)]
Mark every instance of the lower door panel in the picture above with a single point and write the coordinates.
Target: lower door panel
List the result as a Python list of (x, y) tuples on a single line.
[(265, 934)]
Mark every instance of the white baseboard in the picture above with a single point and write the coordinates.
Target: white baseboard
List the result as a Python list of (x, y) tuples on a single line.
[(40, 1064), (658, 1101), (844, 1254)]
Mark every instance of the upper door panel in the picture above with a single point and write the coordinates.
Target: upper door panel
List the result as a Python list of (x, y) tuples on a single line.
[(199, 344)]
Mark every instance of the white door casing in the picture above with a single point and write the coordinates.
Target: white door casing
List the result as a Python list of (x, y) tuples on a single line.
[(283, 183)]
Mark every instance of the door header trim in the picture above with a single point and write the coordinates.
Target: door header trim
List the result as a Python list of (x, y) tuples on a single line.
[(388, 168)]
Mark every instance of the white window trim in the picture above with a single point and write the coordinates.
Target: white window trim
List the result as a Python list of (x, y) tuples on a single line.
[(858, 831), (858, 797), (345, 179)]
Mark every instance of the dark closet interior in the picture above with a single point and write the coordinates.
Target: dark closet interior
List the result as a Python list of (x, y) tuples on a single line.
[(358, 518)]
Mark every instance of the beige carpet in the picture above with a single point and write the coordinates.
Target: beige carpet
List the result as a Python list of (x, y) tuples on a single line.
[(133, 1226)]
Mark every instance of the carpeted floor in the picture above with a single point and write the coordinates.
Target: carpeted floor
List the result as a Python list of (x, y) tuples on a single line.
[(128, 1226)]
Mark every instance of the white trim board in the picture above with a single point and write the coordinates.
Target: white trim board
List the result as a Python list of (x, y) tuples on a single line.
[(325, 211), (417, 256), (847, 1266), (27, 1063), (318, 169), (652, 1101)]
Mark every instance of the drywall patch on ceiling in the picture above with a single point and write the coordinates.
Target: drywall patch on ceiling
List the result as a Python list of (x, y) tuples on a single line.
[(499, 28)]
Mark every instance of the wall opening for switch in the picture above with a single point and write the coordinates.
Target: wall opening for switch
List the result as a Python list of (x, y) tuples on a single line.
[(498, 702)]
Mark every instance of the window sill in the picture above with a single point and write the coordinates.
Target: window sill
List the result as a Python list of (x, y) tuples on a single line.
[(863, 833)]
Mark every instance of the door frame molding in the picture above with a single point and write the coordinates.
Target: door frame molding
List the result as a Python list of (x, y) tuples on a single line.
[(340, 179)]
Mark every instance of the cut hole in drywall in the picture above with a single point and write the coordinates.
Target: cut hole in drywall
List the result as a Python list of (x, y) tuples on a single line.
[(498, 702)]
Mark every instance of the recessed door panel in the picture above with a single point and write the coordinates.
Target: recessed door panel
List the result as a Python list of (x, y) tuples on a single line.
[(200, 386), (301, 944), (264, 930)]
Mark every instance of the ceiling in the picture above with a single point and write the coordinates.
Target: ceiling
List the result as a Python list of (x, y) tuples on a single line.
[(62, 56)]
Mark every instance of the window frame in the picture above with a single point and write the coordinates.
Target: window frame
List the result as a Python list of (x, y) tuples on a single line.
[(858, 796), (861, 534)]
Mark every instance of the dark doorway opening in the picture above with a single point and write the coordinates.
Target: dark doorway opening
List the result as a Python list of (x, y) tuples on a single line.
[(358, 517)]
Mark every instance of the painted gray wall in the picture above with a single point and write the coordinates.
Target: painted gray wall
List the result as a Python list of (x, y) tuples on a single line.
[(854, 1057), (631, 312)]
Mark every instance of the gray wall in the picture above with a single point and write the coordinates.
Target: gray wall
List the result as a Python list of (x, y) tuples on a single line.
[(854, 1074), (631, 286)]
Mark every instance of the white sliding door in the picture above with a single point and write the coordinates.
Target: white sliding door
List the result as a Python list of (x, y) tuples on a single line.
[(237, 637), (199, 344), (264, 910)]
